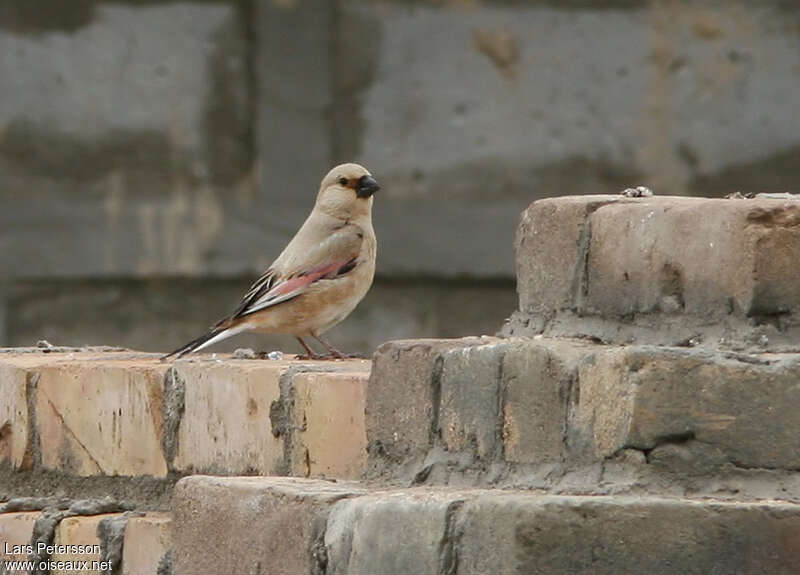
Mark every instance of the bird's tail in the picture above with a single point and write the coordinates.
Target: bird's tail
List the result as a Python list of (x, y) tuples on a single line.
[(212, 336)]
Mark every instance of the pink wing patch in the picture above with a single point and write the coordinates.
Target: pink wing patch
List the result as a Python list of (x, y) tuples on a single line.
[(295, 285)]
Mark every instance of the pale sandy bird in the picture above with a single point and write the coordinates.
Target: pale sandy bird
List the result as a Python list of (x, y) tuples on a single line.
[(321, 275)]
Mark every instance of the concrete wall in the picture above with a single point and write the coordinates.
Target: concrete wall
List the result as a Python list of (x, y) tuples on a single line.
[(156, 139)]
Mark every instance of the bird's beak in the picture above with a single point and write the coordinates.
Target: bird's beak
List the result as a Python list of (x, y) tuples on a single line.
[(366, 186)]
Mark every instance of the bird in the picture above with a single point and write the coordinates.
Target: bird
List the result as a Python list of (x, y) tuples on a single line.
[(320, 276)]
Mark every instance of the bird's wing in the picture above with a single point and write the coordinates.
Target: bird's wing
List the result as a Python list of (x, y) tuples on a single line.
[(333, 257)]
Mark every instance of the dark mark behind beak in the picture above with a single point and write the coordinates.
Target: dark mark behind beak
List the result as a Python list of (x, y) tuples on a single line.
[(366, 186)]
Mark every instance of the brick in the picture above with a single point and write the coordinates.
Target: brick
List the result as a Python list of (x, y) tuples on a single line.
[(390, 532), (551, 245), (226, 425), (268, 524), (102, 417), (709, 258), (527, 533), (538, 380), (329, 437), (147, 539), (401, 396), (470, 398), (16, 529), (14, 435), (80, 530), (742, 406)]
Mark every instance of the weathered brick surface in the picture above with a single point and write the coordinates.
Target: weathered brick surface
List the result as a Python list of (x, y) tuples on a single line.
[(470, 398), (101, 418), (146, 541), (392, 532), (226, 425), (295, 526), (493, 399), (266, 524), (14, 436), (403, 394), (125, 413), (79, 530), (614, 258), (539, 379), (695, 256), (551, 244), (329, 438), (524, 533), (741, 406), (16, 529)]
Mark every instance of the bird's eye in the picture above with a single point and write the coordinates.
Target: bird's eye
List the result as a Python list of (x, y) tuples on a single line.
[(343, 181)]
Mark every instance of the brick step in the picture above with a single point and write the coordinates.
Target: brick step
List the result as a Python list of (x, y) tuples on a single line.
[(660, 270), (495, 406), (128, 543), (286, 526), (91, 413)]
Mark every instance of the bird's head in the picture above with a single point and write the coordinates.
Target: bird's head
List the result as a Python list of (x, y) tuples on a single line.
[(346, 192)]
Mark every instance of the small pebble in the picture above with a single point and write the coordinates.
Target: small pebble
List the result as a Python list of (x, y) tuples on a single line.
[(244, 353), (637, 192), (275, 355)]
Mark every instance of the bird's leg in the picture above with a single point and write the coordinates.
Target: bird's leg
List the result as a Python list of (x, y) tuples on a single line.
[(309, 352), (332, 350)]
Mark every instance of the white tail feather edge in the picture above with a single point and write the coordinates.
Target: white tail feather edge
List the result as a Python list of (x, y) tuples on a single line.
[(223, 335)]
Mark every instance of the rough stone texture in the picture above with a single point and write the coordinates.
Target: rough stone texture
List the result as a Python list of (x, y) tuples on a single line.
[(665, 269), (147, 539), (522, 533), (16, 529), (403, 397), (552, 279), (160, 315), (392, 532), (695, 256), (77, 531), (488, 400), (328, 434), (723, 407), (102, 418), (269, 524), (538, 379), (226, 421), (470, 399)]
